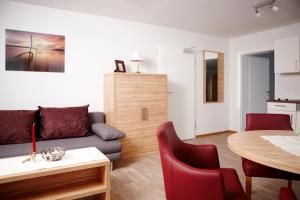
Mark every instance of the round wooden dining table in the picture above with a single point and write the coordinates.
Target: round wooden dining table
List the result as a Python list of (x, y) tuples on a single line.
[(251, 145)]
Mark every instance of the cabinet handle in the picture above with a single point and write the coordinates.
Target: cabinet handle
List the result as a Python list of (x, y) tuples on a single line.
[(146, 114), (280, 106), (142, 114)]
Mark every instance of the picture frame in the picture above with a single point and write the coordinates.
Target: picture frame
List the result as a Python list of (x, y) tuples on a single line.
[(120, 66), (34, 52)]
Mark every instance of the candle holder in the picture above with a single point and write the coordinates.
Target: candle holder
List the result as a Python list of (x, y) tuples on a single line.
[(33, 150), (30, 158)]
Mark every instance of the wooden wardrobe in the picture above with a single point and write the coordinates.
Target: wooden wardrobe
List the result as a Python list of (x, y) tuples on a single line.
[(136, 104)]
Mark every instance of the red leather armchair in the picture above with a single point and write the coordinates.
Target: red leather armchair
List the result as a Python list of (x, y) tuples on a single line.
[(192, 172), (257, 121), (287, 194)]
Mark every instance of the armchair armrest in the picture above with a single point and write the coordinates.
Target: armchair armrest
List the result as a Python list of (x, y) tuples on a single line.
[(191, 183), (199, 156)]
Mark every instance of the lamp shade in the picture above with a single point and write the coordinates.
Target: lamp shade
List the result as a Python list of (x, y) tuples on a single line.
[(136, 57)]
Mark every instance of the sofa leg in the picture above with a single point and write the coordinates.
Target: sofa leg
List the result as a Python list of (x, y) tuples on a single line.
[(290, 184), (248, 186)]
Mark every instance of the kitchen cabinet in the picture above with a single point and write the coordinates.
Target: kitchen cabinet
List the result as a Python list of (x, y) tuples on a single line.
[(287, 55)]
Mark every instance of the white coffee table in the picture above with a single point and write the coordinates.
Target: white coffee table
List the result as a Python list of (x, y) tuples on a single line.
[(81, 173)]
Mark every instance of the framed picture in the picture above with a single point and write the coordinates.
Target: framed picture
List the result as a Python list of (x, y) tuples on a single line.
[(30, 51), (120, 66)]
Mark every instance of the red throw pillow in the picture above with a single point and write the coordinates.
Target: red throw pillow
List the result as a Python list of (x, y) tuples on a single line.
[(15, 126), (67, 122)]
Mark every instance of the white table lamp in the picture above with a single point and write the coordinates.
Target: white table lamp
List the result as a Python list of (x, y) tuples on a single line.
[(137, 58)]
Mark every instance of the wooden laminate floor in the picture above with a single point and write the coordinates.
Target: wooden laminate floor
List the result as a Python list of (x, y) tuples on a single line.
[(141, 178)]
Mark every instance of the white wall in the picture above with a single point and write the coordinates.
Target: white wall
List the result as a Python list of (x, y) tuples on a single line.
[(285, 86), (210, 116), (92, 44)]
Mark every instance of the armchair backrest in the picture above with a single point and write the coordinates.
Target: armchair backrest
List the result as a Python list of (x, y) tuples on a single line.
[(167, 137), (264, 121), (168, 142)]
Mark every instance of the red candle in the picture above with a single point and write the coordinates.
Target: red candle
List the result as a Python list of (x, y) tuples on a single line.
[(33, 138)]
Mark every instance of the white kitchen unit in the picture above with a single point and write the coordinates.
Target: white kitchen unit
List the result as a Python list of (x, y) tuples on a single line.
[(287, 55), (290, 108)]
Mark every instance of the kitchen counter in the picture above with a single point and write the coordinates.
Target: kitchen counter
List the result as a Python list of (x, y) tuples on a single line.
[(297, 101)]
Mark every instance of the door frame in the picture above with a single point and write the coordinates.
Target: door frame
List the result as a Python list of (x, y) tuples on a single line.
[(250, 53)]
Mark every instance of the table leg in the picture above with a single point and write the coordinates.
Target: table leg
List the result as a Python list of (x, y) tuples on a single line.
[(248, 186)]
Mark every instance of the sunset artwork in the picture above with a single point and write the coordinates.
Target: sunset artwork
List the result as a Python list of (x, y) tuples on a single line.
[(29, 51)]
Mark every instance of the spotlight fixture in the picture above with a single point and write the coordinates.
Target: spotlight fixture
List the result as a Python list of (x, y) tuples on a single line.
[(269, 3), (275, 8)]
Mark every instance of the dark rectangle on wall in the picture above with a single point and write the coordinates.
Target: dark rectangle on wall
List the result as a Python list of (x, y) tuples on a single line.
[(29, 51)]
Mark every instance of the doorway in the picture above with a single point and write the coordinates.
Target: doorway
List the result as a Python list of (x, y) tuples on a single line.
[(257, 83)]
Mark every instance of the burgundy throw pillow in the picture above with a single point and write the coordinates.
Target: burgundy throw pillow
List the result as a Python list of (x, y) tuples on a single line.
[(57, 123), (15, 126)]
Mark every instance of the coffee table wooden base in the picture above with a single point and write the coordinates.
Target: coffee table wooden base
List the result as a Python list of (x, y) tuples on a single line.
[(86, 180), (63, 185)]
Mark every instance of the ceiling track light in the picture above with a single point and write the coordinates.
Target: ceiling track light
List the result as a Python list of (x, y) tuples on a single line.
[(275, 8), (269, 3)]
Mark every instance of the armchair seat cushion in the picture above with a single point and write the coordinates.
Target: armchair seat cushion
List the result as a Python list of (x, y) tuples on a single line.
[(253, 169), (233, 187)]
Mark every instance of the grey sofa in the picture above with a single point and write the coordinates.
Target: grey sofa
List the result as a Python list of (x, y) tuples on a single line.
[(112, 149)]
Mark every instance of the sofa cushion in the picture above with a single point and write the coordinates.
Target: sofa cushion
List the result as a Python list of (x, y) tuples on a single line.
[(106, 147), (15, 126), (107, 132), (66, 122)]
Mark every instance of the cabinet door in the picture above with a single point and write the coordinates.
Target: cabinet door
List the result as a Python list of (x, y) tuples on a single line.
[(128, 113), (287, 55), (154, 98)]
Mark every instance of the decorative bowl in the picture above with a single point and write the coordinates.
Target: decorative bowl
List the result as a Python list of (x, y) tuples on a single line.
[(53, 154)]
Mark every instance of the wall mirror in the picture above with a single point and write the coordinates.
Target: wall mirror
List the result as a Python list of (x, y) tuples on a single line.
[(213, 77)]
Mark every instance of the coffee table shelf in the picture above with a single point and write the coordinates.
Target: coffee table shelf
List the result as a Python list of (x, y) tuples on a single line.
[(74, 192)]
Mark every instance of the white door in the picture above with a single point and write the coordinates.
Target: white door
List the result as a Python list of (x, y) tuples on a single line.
[(255, 85), (180, 69), (259, 84)]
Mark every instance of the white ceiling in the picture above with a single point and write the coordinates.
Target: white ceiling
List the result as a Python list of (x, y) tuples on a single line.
[(225, 18)]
